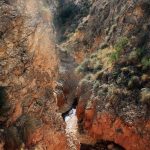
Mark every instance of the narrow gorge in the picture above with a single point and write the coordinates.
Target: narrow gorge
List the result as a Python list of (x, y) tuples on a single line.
[(74, 75)]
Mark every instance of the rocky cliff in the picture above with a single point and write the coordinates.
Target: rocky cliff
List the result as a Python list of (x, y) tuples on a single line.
[(91, 57), (109, 41), (28, 62)]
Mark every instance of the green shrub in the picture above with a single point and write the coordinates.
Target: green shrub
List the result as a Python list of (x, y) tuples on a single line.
[(140, 51), (119, 47), (89, 65), (114, 57), (145, 62), (121, 44)]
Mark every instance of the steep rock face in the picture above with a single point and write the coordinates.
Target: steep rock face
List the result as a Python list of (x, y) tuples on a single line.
[(110, 42), (28, 62), (104, 22)]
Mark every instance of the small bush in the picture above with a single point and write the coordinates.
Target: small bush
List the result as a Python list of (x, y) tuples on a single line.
[(89, 65), (119, 47), (146, 62), (114, 57), (140, 51), (121, 44)]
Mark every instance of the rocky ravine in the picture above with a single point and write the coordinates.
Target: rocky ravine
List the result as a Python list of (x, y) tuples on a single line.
[(88, 56), (109, 41), (28, 62)]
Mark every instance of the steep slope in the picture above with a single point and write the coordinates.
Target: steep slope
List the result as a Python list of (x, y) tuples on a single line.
[(110, 42), (28, 62)]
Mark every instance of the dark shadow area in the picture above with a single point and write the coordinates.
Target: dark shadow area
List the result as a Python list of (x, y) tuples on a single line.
[(4, 106), (102, 145), (2, 96), (67, 18)]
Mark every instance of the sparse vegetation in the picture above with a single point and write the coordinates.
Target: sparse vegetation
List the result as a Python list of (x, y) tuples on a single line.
[(119, 47), (89, 65), (114, 56), (121, 44), (140, 51), (145, 62)]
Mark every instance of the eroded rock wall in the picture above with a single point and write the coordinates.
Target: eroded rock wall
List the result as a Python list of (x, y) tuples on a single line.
[(110, 44), (28, 62)]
